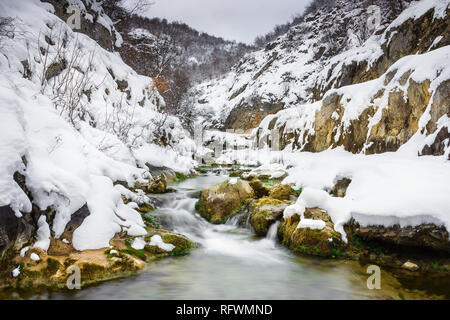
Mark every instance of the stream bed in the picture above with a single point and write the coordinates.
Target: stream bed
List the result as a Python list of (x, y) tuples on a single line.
[(232, 263)]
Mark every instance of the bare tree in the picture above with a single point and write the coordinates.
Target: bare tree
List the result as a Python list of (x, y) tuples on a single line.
[(122, 9), (66, 74)]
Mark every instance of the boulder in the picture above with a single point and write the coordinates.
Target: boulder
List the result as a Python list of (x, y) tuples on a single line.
[(280, 192), (260, 189), (223, 200), (310, 240), (264, 212), (158, 186), (427, 236)]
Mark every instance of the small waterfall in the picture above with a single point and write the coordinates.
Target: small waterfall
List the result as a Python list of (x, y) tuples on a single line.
[(273, 230), (235, 220)]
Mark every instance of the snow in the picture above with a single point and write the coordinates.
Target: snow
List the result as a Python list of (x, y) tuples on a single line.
[(34, 257), (138, 244), (386, 189), (69, 165), (156, 240), (311, 224), (16, 272), (233, 181), (43, 234), (23, 251)]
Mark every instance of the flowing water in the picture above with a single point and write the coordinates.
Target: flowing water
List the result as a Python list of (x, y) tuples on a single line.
[(231, 263)]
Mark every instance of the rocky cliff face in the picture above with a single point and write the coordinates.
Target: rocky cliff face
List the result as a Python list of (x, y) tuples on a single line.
[(305, 84), (288, 71), (378, 103)]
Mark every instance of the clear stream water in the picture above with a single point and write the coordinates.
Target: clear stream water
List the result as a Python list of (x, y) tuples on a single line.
[(231, 263)]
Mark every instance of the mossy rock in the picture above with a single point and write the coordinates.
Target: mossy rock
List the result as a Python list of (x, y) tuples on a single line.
[(260, 223), (264, 212), (52, 267), (325, 242), (223, 200), (182, 244), (280, 192), (260, 189), (92, 271)]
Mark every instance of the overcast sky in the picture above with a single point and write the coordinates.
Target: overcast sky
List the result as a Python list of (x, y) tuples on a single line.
[(240, 20)]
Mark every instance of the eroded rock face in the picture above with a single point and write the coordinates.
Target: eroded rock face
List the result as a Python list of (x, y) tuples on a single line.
[(246, 117), (221, 201), (428, 236), (307, 240), (398, 121), (264, 212)]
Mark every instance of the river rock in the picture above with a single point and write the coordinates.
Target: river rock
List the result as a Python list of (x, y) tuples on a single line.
[(308, 240), (260, 189), (221, 201), (264, 212), (280, 192)]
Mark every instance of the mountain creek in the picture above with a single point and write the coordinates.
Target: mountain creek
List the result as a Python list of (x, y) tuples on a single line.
[(231, 262)]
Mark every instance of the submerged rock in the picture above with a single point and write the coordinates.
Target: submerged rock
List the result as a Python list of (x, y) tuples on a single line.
[(223, 200)]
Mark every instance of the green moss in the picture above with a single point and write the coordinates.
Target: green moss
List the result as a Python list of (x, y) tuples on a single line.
[(435, 265), (266, 201), (241, 207), (336, 252), (92, 271), (182, 245), (150, 222), (179, 177), (259, 222), (140, 254), (296, 192), (52, 267), (145, 208), (125, 264), (303, 249), (201, 170)]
